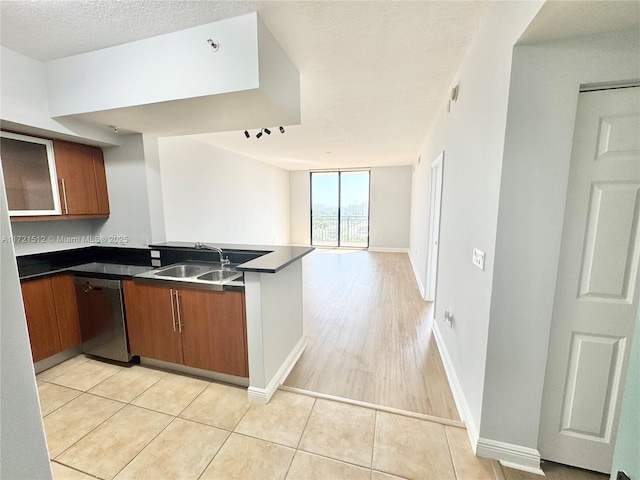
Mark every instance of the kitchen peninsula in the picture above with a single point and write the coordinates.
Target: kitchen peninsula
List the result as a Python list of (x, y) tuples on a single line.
[(272, 297)]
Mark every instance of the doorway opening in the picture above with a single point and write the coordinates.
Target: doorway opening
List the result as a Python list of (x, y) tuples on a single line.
[(340, 209)]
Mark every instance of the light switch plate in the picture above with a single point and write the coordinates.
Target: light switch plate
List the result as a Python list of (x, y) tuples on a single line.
[(478, 258)]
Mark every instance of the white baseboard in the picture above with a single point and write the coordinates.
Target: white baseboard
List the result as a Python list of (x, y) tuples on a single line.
[(456, 388), (388, 249), (263, 395), (415, 274), (510, 455)]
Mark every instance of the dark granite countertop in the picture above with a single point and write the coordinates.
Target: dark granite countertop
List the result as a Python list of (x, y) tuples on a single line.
[(108, 270), (121, 262), (267, 258)]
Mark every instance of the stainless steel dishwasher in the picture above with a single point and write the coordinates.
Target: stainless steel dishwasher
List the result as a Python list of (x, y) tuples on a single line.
[(101, 314)]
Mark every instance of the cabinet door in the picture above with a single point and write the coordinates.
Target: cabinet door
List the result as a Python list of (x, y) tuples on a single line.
[(64, 294), (214, 331), (152, 328), (101, 181), (40, 310), (74, 166)]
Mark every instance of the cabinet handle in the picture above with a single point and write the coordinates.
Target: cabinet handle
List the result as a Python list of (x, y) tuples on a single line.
[(173, 313), (178, 308), (64, 197)]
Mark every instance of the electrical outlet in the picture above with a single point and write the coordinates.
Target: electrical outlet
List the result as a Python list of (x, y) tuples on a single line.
[(478, 258)]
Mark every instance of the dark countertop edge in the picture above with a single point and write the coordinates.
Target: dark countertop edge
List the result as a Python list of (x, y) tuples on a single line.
[(275, 259), (49, 273), (248, 267)]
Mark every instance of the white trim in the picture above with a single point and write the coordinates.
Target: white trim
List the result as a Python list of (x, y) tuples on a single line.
[(456, 389), (373, 406), (510, 455), (436, 176), (415, 274), (263, 395), (388, 249)]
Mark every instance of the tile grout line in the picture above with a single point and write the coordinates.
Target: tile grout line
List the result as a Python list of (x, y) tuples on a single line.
[(65, 403), (160, 432), (93, 429), (296, 450), (148, 443), (73, 468), (97, 426)]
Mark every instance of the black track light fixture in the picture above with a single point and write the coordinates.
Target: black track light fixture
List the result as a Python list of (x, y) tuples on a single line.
[(261, 132)]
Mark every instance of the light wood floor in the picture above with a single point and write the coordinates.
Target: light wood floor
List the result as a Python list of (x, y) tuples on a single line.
[(369, 334)]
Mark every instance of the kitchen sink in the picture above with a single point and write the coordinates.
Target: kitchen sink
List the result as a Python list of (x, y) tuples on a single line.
[(211, 276), (218, 275), (182, 271)]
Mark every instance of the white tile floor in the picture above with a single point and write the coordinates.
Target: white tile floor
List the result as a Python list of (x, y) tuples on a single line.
[(105, 421)]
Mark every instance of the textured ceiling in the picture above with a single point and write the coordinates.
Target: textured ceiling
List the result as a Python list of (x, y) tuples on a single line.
[(373, 73)]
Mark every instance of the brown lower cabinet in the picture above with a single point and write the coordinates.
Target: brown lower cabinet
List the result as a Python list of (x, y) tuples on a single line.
[(197, 328), (52, 315)]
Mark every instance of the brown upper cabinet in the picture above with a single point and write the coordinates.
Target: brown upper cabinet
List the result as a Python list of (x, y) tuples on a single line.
[(78, 183), (81, 179)]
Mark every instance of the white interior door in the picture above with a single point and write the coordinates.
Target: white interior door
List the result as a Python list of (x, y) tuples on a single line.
[(435, 202), (596, 298)]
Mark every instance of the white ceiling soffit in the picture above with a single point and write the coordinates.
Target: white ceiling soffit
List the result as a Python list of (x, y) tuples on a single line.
[(177, 84), (373, 74), (560, 19)]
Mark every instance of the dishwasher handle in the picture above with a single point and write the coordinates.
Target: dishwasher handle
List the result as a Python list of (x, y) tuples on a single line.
[(97, 283)]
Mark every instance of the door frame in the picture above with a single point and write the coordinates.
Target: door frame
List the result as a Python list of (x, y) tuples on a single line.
[(436, 178)]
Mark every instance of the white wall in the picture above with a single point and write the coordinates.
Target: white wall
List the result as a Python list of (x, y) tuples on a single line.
[(24, 452), (390, 208), (23, 96), (48, 236), (128, 194), (300, 201), (162, 68), (154, 188), (472, 136), (213, 195), (542, 106)]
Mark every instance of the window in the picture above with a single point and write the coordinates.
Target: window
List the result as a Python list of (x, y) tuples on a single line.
[(340, 209)]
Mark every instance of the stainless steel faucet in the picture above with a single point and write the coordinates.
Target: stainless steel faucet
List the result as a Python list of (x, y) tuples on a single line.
[(203, 246)]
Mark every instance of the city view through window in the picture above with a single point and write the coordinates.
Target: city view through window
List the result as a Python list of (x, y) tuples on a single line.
[(340, 209)]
